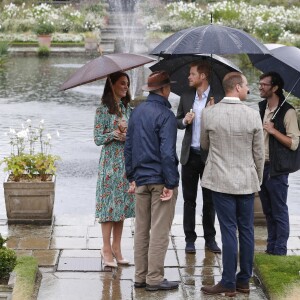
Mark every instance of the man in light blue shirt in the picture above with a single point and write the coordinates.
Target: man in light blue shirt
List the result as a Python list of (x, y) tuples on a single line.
[(193, 157)]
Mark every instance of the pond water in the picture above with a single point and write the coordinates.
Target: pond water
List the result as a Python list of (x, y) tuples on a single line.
[(29, 90)]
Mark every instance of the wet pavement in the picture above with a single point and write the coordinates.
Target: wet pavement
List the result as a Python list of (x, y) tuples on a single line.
[(68, 253)]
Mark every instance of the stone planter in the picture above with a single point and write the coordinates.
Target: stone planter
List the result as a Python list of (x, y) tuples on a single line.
[(29, 202), (90, 43), (44, 40), (259, 217)]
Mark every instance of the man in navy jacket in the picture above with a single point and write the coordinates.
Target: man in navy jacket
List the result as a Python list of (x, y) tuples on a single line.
[(152, 170)]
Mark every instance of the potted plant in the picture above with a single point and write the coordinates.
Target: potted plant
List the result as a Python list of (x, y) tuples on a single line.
[(44, 29), (91, 40), (8, 261), (29, 187)]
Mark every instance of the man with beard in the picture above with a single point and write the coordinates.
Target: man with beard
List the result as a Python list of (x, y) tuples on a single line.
[(280, 133)]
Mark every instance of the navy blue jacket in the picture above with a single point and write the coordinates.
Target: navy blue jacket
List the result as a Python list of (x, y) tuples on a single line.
[(150, 147)]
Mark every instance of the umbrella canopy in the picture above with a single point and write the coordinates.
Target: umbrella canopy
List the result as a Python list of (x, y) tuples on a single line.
[(104, 65), (211, 38), (285, 60), (179, 69)]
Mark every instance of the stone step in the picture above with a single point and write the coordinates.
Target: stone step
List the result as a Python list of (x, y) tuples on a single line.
[(137, 30), (121, 36)]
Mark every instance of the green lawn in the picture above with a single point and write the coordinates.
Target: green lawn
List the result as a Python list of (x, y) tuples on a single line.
[(279, 274)]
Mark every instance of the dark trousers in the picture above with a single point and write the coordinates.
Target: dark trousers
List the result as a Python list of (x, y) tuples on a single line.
[(273, 196), (236, 212), (190, 174)]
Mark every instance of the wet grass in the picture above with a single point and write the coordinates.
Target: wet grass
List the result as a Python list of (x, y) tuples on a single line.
[(26, 274), (279, 274)]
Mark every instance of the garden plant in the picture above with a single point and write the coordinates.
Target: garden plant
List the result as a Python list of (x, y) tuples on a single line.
[(8, 261), (30, 157)]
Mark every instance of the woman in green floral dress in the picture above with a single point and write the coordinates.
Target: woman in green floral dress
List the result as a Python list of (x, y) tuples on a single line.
[(113, 203)]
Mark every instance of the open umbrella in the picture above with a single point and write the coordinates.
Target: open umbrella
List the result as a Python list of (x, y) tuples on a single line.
[(285, 60), (178, 69), (215, 39), (104, 65)]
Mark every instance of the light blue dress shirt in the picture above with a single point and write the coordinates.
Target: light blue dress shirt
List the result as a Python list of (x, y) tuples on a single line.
[(198, 105)]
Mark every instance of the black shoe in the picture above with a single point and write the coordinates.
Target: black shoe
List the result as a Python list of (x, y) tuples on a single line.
[(190, 247), (164, 285), (139, 285), (243, 287), (212, 246)]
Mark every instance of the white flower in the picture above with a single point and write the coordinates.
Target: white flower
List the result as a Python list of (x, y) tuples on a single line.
[(22, 134), (11, 130), (42, 121), (48, 136), (28, 121), (57, 133)]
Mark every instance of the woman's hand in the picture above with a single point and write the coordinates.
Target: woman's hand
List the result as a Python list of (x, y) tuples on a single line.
[(119, 136)]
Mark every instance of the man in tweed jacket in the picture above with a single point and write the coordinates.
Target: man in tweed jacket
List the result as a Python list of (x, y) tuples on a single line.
[(233, 134)]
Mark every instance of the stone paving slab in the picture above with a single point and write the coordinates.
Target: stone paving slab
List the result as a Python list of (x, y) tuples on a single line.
[(46, 258), (86, 286), (79, 237), (80, 264), (70, 231)]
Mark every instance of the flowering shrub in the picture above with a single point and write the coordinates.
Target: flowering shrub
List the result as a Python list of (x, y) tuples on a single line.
[(8, 259), (30, 155), (65, 18), (269, 23), (44, 27)]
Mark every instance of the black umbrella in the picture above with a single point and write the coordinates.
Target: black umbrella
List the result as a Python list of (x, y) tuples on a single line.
[(285, 60), (215, 39), (179, 68)]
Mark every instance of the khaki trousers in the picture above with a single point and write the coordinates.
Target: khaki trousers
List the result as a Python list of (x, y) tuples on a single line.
[(153, 221)]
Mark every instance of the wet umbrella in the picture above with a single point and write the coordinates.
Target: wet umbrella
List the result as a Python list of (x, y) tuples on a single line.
[(104, 65), (285, 60), (179, 68), (215, 39)]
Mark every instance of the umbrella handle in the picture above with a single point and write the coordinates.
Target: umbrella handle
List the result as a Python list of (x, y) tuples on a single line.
[(285, 99), (114, 95)]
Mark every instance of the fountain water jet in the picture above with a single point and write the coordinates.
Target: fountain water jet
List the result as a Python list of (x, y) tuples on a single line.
[(130, 37)]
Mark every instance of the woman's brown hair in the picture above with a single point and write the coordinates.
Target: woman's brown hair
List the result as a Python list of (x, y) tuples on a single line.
[(108, 95)]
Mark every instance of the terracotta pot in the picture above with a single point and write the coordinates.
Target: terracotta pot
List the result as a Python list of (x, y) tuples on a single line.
[(44, 40)]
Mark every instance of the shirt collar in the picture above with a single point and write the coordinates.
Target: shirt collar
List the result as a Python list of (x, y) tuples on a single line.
[(205, 93)]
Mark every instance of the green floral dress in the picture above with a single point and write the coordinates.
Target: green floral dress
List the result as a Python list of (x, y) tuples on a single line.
[(113, 203)]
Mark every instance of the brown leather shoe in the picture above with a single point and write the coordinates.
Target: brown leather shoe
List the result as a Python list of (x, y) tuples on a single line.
[(218, 289), (243, 287)]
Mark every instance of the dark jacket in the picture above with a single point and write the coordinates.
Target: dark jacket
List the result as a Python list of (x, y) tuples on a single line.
[(185, 104), (278, 153), (150, 147)]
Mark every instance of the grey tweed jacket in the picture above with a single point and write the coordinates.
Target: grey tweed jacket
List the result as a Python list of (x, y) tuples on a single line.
[(233, 134)]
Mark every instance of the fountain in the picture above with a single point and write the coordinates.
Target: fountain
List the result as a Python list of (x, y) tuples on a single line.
[(129, 36)]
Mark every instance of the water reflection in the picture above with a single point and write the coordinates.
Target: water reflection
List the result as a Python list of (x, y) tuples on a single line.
[(29, 89)]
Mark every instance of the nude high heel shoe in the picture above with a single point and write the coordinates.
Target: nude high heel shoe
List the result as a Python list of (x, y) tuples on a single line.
[(111, 264), (121, 261)]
